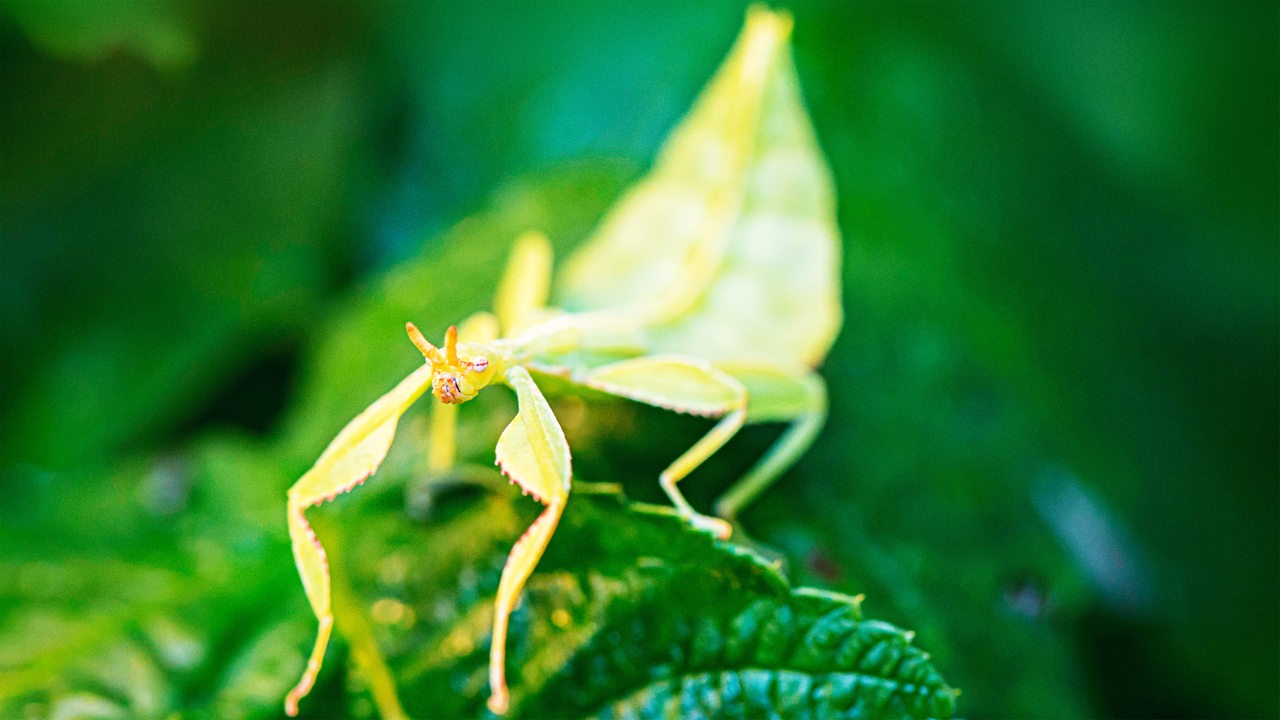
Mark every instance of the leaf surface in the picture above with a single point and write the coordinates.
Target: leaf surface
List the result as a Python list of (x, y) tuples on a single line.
[(106, 624), (632, 614)]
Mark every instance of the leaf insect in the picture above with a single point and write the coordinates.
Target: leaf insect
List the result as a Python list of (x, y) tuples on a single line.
[(711, 288)]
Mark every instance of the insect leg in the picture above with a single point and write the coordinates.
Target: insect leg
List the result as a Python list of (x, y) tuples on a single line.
[(800, 399), (691, 459), (351, 457), (684, 385), (442, 446), (523, 559), (482, 327), (313, 567), (533, 452), (526, 282)]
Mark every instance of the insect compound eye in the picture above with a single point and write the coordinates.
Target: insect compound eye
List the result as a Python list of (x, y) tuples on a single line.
[(480, 364)]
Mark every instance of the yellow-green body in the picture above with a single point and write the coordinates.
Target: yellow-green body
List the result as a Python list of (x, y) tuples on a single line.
[(711, 289)]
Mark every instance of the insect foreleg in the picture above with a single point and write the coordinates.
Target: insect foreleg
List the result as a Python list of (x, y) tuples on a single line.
[(534, 453), (523, 559), (313, 567), (351, 457)]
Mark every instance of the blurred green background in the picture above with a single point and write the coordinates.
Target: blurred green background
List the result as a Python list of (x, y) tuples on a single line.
[(1054, 431)]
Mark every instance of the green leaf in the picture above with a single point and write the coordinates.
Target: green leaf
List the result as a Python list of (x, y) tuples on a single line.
[(158, 32), (627, 602), (166, 606), (630, 613)]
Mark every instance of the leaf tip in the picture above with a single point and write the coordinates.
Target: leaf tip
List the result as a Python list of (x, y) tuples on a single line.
[(761, 15)]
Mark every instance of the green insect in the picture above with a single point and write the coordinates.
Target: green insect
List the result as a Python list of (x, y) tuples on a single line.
[(711, 289)]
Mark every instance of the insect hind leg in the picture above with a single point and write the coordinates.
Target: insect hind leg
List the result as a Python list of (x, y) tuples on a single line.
[(685, 385), (776, 396)]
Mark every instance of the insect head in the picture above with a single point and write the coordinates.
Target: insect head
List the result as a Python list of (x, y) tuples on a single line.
[(459, 372)]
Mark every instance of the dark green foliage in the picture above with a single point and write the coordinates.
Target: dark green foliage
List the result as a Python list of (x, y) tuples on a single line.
[(149, 588), (629, 611), (1060, 276)]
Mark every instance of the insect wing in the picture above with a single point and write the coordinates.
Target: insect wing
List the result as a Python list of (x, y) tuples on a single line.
[(730, 243)]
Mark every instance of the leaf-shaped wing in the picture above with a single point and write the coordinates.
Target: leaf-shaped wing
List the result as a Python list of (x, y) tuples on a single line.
[(730, 241), (182, 616)]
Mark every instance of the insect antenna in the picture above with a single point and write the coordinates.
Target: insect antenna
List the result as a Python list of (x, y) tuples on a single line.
[(451, 345), (429, 351)]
